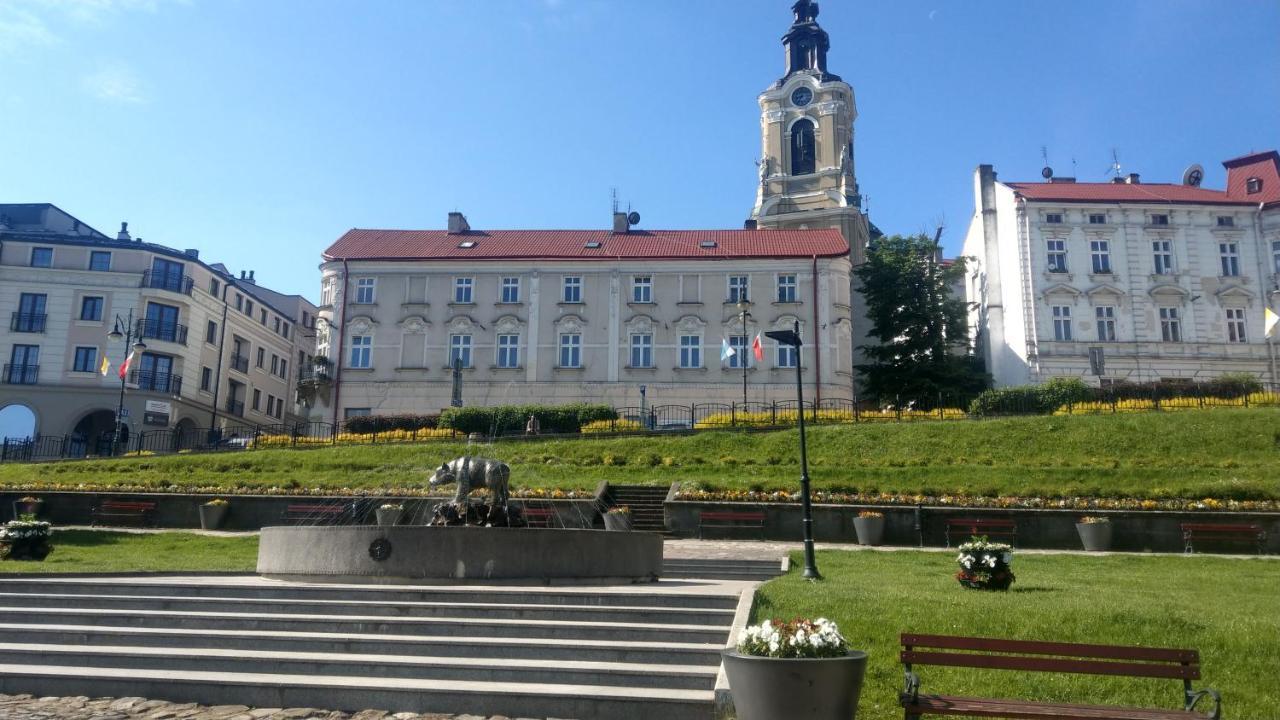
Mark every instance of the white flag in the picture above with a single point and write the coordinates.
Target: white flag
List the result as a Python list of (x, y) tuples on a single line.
[(1269, 322)]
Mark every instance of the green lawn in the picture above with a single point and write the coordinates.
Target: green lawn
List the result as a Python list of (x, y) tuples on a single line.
[(1225, 608), (78, 551), (1224, 453)]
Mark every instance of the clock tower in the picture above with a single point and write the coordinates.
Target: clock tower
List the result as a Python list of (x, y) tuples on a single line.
[(807, 177)]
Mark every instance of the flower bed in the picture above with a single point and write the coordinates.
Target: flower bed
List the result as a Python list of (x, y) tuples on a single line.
[(984, 565), (978, 501), (788, 417)]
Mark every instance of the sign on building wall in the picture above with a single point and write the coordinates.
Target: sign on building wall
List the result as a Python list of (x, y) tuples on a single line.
[(157, 412)]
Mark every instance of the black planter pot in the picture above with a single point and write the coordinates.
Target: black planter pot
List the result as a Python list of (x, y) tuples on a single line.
[(31, 507), (1096, 537), (870, 530), (211, 516), (617, 522), (796, 689)]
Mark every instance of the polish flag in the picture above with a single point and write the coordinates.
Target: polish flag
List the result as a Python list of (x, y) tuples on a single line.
[(757, 348), (124, 369)]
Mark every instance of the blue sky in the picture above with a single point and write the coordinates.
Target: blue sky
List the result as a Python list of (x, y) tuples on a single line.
[(260, 130)]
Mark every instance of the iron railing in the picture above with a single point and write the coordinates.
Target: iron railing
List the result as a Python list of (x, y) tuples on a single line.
[(160, 330), (21, 374), (172, 282), (235, 407), (157, 381), (240, 363), (27, 322)]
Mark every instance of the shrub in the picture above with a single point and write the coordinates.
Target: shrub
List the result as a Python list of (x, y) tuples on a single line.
[(1030, 399), (368, 424), (511, 419)]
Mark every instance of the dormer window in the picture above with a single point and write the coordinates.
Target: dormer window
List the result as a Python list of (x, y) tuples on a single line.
[(1253, 185), (467, 244), (1097, 219), (1159, 219)]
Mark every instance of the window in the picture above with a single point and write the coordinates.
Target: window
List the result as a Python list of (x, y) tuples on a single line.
[(641, 351), (248, 307), (1253, 185), (364, 290), (690, 289), (739, 358), (1097, 219), (572, 289), (787, 288), (739, 285), (91, 308), (262, 357), (1106, 319), (803, 148), (239, 301), (1057, 256), (214, 286), (275, 324), (1159, 219), (42, 257), (1170, 325), (1062, 323), (24, 365), (462, 290), (785, 356), (257, 399), (162, 323), (206, 378), (328, 289), (86, 360), (1100, 254), (284, 330), (1226, 221), (508, 351), (99, 260), (1235, 325), (1162, 253), (275, 364), (460, 350), (690, 351), (262, 317), (1053, 218), (31, 315), (361, 345), (642, 289), (284, 368), (570, 350), (211, 333), (1230, 256), (510, 290), (1275, 256)]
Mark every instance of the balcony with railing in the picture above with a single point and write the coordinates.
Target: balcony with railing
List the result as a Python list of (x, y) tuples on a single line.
[(21, 374), (167, 281), (313, 376), (240, 363), (235, 407), (27, 322), (157, 381), (160, 330)]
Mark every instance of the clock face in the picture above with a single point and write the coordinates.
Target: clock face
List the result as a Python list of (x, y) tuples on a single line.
[(802, 96)]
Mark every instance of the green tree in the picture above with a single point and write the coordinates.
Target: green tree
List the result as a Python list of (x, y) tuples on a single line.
[(922, 331)]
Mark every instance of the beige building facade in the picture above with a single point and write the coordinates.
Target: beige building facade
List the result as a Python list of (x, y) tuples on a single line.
[(220, 351)]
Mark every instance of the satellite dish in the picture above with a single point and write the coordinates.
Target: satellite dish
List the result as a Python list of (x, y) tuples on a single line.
[(633, 218), (1193, 176), (1046, 173)]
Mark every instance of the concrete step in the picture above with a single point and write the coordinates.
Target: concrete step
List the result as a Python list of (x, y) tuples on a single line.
[(716, 569), (499, 649), (250, 586), (501, 611), (362, 691), (456, 627), (565, 672)]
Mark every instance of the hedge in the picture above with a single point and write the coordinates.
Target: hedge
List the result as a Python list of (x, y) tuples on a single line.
[(1059, 392), (508, 419), (365, 424), (1030, 399)]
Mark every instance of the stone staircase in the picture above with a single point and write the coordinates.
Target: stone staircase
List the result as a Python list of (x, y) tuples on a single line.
[(645, 501), (568, 652), (721, 569)]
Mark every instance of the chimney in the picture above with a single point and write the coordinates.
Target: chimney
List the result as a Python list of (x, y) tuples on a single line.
[(241, 274), (749, 224), (458, 224), (251, 280), (1133, 179), (124, 232), (1117, 181), (620, 223), (192, 253)]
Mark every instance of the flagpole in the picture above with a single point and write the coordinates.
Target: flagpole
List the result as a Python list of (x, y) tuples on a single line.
[(129, 347)]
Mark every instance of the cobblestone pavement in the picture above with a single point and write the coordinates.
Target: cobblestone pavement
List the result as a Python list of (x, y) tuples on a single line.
[(27, 707)]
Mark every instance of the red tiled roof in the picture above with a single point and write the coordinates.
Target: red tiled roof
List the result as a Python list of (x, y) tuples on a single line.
[(1265, 166), (360, 244), (1124, 192)]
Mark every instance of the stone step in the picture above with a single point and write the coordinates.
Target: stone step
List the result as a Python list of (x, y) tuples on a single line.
[(564, 672), (501, 611), (354, 692), (492, 649), (252, 587), (456, 627)]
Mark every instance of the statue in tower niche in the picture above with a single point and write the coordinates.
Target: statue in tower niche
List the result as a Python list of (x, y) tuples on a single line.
[(470, 474)]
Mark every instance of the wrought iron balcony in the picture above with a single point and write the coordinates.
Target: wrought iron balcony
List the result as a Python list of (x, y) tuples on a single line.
[(235, 407), (240, 363), (167, 281), (160, 330), (27, 322), (21, 374), (313, 376), (157, 382)]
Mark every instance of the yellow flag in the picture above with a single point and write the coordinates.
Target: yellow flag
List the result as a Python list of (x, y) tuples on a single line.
[(1270, 320), (106, 366)]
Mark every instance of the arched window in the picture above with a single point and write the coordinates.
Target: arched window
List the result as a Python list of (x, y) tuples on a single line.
[(803, 148)]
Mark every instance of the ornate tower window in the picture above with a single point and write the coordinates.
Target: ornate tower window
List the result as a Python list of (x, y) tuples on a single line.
[(803, 148)]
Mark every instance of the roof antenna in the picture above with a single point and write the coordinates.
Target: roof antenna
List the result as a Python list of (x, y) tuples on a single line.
[(1115, 163), (1047, 172), (613, 193)]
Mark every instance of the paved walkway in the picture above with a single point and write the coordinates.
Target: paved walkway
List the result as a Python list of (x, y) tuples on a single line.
[(27, 707)]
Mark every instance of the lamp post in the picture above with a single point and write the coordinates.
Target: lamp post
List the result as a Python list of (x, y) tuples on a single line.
[(791, 338), (138, 346), (742, 310)]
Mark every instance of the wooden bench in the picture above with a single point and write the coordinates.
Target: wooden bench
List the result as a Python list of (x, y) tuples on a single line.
[(1033, 656), (139, 512), (538, 517), (1217, 531), (731, 519), (973, 527), (316, 513)]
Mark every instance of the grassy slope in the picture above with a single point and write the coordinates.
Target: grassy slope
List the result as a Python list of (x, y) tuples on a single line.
[(1225, 608), (99, 551), (1189, 454)]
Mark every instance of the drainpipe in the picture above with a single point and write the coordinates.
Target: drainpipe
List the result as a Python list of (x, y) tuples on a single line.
[(217, 372), (337, 364), (1266, 291), (817, 345)]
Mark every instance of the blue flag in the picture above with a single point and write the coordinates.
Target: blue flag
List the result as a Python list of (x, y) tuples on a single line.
[(726, 352)]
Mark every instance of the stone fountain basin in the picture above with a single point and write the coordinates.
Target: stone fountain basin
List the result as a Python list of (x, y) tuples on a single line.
[(422, 554)]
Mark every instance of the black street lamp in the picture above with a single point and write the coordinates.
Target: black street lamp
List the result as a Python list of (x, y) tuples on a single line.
[(138, 346), (742, 310), (791, 338)]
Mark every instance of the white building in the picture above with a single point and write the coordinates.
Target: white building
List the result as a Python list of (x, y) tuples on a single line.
[(1126, 280)]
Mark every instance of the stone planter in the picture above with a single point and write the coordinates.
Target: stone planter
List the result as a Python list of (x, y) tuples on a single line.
[(617, 522), (389, 516), (1096, 537), (796, 689), (211, 516), (31, 507), (870, 530)]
